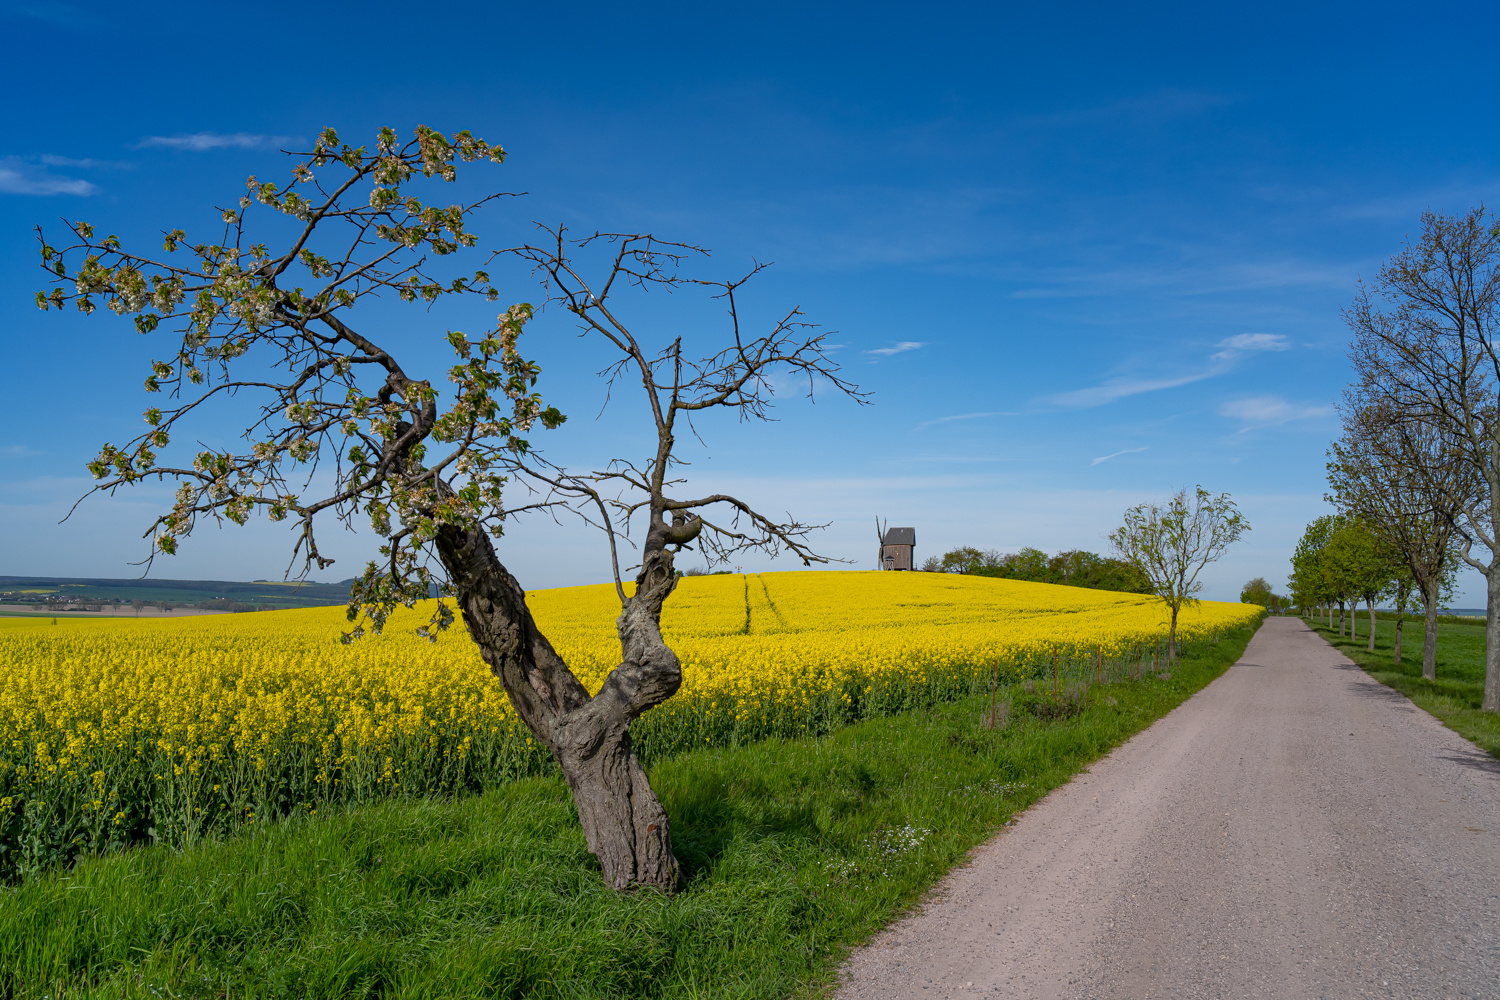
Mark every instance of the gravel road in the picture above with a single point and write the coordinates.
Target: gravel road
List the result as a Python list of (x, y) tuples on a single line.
[(1294, 830)]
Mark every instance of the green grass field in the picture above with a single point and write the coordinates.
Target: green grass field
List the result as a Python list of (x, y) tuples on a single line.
[(796, 850), (1454, 697)]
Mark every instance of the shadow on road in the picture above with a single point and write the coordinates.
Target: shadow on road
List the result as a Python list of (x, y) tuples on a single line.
[(1476, 759), (1375, 691)]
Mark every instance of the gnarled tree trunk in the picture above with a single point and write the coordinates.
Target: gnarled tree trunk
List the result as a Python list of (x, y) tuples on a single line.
[(622, 819)]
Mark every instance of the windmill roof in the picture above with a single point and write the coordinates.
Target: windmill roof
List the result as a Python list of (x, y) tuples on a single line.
[(900, 536)]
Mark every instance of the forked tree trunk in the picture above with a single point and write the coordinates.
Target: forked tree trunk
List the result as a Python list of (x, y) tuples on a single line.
[(1370, 607), (1400, 621), (623, 821), (1341, 619)]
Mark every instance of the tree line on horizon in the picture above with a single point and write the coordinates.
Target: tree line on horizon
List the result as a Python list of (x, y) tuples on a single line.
[(1415, 474), (1072, 568)]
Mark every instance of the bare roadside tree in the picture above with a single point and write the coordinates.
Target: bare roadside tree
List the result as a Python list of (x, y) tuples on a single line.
[(429, 466), (1172, 542), (1405, 480), (1425, 344)]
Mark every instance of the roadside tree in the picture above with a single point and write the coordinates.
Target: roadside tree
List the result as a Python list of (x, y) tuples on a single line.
[(1425, 344), (1309, 584), (1408, 482), (1258, 591), (1399, 592), (1355, 567), (1364, 567), (433, 465), (1170, 543)]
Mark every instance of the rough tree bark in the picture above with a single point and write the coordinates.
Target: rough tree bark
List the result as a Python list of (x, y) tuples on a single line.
[(623, 821), (1429, 632)]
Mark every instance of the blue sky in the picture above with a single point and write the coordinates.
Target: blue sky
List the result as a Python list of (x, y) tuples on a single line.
[(1081, 256)]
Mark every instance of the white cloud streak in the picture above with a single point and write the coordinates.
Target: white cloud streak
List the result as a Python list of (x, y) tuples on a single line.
[(900, 348), (968, 416), (198, 142), (1119, 388), (1271, 411), (1106, 458), (1231, 350), (19, 177)]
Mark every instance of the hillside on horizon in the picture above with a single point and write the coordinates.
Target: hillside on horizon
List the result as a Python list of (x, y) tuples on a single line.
[(276, 594)]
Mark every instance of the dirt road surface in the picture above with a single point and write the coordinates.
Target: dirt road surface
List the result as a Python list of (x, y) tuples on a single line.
[(1296, 829)]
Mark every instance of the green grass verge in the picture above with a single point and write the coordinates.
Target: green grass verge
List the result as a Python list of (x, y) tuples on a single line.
[(1454, 697), (796, 850)]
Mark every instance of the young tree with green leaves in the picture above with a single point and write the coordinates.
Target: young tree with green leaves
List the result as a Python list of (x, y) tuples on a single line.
[(1170, 543), (271, 310), (1309, 584), (1362, 567), (1258, 591), (1336, 580)]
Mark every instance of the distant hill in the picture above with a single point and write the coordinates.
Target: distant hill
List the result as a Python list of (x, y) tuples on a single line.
[(259, 593)]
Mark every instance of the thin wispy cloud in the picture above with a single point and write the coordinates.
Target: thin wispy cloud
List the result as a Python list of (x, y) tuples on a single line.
[(18, 176), (1271, 411), (900, 347), (1231, 350), (85, 163), (1106, 458), (198, 142), (1119, 388), (967, 416)]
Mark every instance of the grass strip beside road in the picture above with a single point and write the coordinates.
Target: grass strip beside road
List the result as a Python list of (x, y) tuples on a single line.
[(796, 850), (1453, 698)]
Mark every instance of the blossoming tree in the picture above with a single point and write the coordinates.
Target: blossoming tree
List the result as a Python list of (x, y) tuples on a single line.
[(433, 468)]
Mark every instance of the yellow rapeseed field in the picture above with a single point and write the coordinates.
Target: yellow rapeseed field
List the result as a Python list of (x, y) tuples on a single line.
[(120, 730)]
